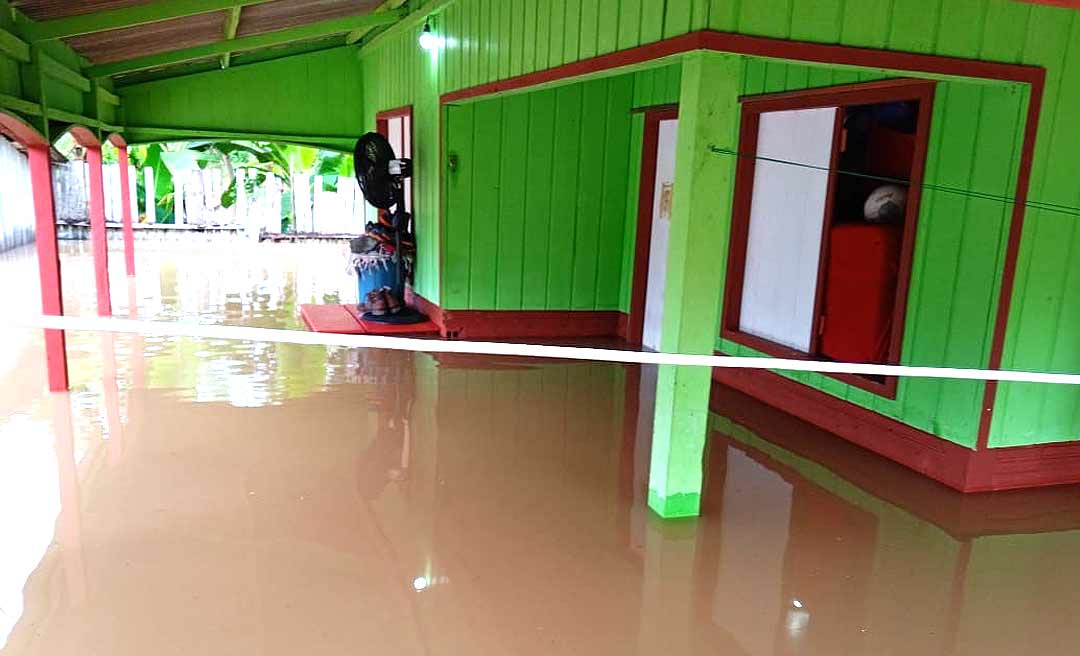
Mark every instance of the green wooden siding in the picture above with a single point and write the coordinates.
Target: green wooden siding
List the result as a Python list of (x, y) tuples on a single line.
[(20, 81), (959, 247), (1047, 294), (485, 42), (536, 204), (316, 94)]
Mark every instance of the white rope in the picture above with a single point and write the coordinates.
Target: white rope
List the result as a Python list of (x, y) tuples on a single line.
[(177, 329)]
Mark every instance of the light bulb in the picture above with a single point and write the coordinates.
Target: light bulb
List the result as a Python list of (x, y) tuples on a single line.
[(427, 38)]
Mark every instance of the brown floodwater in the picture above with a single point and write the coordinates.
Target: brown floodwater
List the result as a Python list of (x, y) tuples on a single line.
[(207, 497)]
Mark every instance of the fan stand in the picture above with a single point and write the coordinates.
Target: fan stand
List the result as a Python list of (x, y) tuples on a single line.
[(406, 315)]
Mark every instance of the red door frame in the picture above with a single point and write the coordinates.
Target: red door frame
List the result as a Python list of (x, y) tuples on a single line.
[(842, 95), (382, 126), (643, 239)]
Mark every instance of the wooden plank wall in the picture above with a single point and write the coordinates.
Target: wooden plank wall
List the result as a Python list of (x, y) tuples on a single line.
[(537, 201)]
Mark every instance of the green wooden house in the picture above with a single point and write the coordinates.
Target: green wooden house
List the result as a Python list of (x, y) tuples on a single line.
[(697, 176)]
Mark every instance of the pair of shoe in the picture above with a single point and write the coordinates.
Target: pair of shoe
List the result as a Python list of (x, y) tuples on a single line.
[(383, 301)]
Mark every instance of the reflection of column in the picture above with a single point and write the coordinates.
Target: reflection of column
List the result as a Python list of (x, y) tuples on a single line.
[(694, 279), (98, 235), (136, 357), (48, 263), (69, 523), (125, 209), (667, 587), (111, 398)]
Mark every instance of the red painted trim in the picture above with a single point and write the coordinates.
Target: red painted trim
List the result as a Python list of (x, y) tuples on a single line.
[(540, 324), (666, 107), (757, 46), (643, 238), (1068, 4), (387, 114), (125, 209), (961, 515), (863, 57), (629, 57), (500, 324), (117, 140), (48, 254), (20, 131), (843, 95), (382, 126), (826, 223), (84, 136), (433, 311), (927, 454), (1018, 467), (622, 328), (98, 235), (1012, 252), (962, 469)]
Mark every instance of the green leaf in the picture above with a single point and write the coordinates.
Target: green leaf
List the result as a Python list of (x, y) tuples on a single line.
[(228, 197)]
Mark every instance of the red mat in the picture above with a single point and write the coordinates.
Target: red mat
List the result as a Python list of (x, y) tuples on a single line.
[(376, 328), (345, 320)]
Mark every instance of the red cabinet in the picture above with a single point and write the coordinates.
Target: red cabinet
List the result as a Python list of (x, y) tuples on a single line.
[(860, 287)]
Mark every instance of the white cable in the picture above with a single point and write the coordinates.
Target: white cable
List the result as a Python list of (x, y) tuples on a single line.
[(177, 329)]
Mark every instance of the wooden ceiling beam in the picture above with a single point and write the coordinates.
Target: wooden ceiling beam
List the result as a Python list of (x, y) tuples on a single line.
[(359, 33), (253, 42), (115, 19), (232, 22)]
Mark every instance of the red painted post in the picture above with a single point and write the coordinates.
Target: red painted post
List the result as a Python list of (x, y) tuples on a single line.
[(125, 203), (99, 239), (48, 263)]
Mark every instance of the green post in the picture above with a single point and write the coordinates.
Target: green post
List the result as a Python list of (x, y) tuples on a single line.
[(697, 250)]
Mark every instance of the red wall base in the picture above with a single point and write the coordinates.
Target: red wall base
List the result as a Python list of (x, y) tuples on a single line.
[(960, 468), (513, 324)]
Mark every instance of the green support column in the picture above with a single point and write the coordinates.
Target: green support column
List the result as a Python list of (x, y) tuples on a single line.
[(697, 254)]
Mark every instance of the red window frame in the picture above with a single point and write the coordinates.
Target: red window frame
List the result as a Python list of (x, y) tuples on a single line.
[(837, 96), (382, 126)]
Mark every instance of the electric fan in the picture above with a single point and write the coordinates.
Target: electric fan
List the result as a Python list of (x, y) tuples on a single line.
[(382, 181)]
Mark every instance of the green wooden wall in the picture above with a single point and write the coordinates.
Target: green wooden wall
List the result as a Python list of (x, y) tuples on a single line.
[(536, 203), (959, 248), (311, 95), (487, 40), (20, 81)]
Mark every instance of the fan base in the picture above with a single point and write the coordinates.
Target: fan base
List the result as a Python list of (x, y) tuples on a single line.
[(405, 316)]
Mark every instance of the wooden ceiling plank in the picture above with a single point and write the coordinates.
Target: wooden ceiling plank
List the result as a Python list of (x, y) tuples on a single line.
[(231, 23), (268, 39), (115, 19)]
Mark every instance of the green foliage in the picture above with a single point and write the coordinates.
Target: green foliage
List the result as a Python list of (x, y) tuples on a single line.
[(258, 160)]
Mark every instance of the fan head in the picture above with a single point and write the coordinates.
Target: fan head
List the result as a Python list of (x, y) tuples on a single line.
[(372, 157)]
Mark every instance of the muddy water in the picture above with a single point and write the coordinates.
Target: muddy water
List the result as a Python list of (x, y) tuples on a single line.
[(205, 497)]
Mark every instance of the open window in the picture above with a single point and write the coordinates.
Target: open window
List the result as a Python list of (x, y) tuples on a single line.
[(826, 202), (396, 126)]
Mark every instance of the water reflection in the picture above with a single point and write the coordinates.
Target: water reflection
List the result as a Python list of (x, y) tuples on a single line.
[(194, 496)]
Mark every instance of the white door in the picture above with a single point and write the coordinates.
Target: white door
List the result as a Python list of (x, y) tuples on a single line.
[(663, 193)]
